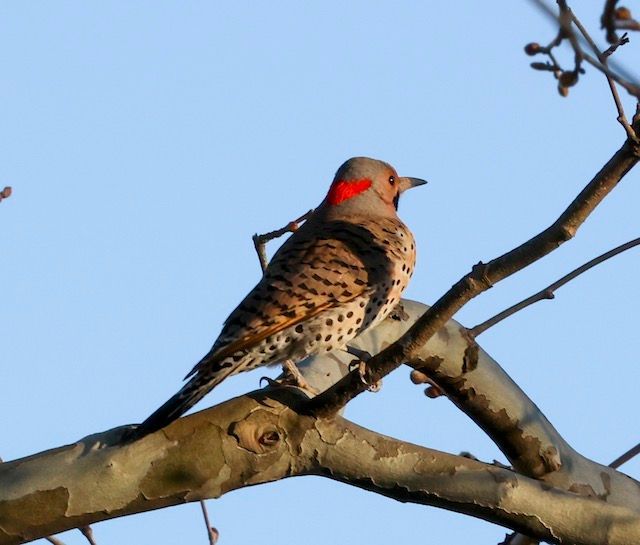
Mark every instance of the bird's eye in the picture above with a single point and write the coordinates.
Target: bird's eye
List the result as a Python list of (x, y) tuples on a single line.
[(392, 180)]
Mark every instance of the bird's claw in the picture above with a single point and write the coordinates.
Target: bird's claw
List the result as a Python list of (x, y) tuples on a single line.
[(361, 367), (362, 355), (270, 382), (293, 376)]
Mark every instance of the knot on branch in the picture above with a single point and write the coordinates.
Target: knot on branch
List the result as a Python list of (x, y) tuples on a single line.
[(479, 275), (258, 432), (470, 358), (551, 459)]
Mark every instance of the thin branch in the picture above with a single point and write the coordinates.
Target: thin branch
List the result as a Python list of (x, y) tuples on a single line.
[(482, 277), (88, 533), (622, 118), (634, 451), (619, 74), (565, 19), (212, 533), (623, 40), (631, 88), (548, 292), (260, 241), (567, 79)]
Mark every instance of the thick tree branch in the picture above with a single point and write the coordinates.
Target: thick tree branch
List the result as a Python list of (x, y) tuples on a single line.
[(259, 438), (79, 478), (477, 385)]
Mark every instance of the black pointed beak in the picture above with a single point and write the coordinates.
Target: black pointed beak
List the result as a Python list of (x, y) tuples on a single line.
[(408, 183)]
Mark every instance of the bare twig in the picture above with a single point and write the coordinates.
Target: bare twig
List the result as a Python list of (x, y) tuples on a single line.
[(5, 193), (634, 451), (212, 533), (260, 241), (566, 78), (624, 39), (631, 88), (566, 19), (88, 533), (548, 292), (622, 118), (481, 278), (619, 74)]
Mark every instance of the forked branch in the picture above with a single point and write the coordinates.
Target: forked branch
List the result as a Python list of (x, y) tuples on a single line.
[(260, 241), (549, 291)]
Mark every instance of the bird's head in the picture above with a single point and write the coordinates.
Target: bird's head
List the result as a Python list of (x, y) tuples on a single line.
[(364, 185)]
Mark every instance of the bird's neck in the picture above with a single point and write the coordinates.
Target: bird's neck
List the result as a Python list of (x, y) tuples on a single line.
[(353, 210)]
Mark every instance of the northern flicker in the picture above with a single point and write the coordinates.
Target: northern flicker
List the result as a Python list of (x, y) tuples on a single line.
[(340, 273)]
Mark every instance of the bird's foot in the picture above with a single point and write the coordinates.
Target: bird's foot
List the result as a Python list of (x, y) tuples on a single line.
[(287, 380), (293, 377), (361, 365), (362, 355)]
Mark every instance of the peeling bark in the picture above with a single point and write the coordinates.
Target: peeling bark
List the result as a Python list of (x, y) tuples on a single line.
[(269, 435), (497, 404), (264, 436)]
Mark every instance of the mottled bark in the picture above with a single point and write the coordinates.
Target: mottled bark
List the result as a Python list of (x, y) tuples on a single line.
[(477, 384), (268, 435), (263, 437)]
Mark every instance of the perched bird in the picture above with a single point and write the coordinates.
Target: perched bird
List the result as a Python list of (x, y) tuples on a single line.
[(341, 272)]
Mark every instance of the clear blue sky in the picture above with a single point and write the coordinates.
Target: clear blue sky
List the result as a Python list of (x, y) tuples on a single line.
[(147, 141)]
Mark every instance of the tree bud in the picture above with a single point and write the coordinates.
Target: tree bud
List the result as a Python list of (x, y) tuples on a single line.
[(532, 48)]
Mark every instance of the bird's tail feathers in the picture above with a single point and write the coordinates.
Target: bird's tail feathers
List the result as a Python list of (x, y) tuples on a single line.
[(192, 392)]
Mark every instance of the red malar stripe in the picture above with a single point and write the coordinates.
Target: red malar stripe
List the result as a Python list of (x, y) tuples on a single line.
[(342, 190)]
